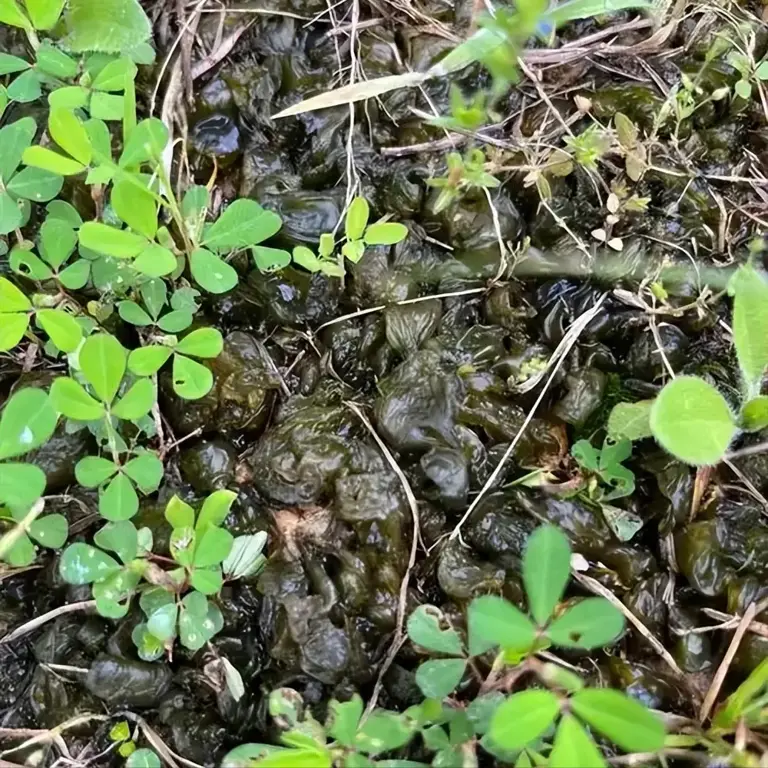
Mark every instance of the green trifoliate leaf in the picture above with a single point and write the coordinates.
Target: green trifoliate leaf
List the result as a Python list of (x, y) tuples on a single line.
[(204, 342), (136, 402), (215, 510), (243, 223), (70, 134), (573, 746), (523, 718), (103, 361), (57, 241), (692, 421), (245, 558), (64, 331), (212, 273), (147, 142), (14, 139), (111, 26), (620, 718), (212, 547), (26, 422), (147, 361), (179, 514), (35, 184), (132, 313), (439, 677), (92, 471), (494, 622), (54, 62), (155, 261), (70, 399), (590, 623), (120, 537), (118, 243), (207, 581), (83, 564), (424, 629), (23, 261), (21, 485), (146, 470), (191, 380), (48, 160), (44, 14), (119, 501), (546, 570), (135, 207), (50, 531)]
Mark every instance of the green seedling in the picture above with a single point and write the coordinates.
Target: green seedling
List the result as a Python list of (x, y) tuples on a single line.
[(605, 475)]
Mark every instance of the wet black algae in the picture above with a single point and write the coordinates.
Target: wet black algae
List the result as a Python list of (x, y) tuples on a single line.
[(440, 379)]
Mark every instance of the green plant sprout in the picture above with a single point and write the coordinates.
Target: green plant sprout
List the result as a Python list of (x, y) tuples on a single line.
[(606, 477), (464, 173), (545, 724), (174, 602), (690, 418)]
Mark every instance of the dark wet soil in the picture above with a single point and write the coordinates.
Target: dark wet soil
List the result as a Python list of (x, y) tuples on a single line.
[(440, 379)]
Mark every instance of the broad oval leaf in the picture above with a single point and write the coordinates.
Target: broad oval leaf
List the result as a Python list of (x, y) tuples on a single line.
[(119, 500), (385, 233), (143, 758), (175, 321), (70, 134), (44, 13), (102, 361), (132, 313), (57, 241), (10, 64), (439, 677), (212, 547), (162, 622), (625, 721), (493, 622), (146, 470), (14, 139), (147, 142), (424, 629), (357, 218), (11, 14), (111, 26), (135, 207), (68, 97), (64, 331), (590, 623), (11, 298), (546, 570), (631, 420), (110, 241), (136, 402), (155, 261), (21, 485), (245, 558), (27, 420), (112, 76), (92, 471), (692, 421), (574, 747), (11, 216), (83, 564), (23, 261), (270, 259), (242, 224), (212, 273), (204, 342), (215, 510), (146, 361), (179, 514), (70, 399), (750, 324), (13, 326), (48, 160), (754, 414), (50, 531), (35, 184), (191, 380), (76, 275), (523, 717), (207, 581)]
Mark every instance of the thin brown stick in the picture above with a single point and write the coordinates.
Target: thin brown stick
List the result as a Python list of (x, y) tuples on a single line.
[(725, 664)]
